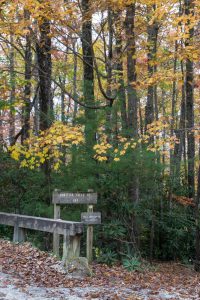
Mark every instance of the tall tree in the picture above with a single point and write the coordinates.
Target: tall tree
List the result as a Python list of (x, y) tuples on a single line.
[(152, 32), (109, 71), (189, 78), (12, 90), (88, 74), (120, 69), (43, 48), (75, 69), (132, 109), (27, 89), (131, 70), (197, 223)]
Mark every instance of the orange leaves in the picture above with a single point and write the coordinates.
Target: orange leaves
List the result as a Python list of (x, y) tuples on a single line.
[(184, 200)]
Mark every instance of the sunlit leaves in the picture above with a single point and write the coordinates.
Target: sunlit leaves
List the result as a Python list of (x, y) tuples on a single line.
[(48, 146), (158, 138)]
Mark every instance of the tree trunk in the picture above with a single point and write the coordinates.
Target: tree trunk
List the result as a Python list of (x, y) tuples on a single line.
[(189, 9), (197, 223), (132, 109), (88, 75), (12, 92), (152, 31), (43, 49), (121, 94), (1, 131), (75, 63), (131, 70), (36, 113), (173, 106), (109, 69), (180, 133), (45, 70), (62, 80), (27, 89)]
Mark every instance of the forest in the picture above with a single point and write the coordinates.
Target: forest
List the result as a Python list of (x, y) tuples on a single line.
[(104, 96)]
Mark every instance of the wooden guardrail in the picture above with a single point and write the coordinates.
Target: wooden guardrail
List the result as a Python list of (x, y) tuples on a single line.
[(71, 231)]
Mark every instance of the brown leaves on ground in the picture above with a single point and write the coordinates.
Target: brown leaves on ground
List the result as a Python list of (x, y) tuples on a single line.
[(32, 266)]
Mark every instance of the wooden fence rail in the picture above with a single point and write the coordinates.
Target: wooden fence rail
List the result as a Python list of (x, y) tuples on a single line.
[(71, 231)]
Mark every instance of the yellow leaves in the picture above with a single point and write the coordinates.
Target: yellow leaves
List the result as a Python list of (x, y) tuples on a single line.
[(122, 152), (27, 155), (122, 139), (96, 147), (42, 160), (24, 163), (158, 126), (160, 132), (15, 154), (75, 142), (48, 141), (127, 145), (105, 150), (102, 148), (116, 159), (133, 145), (102, 158), (119, 4), (56, 166), (158, 138), (46, 147), (59, 140), (158, 14)]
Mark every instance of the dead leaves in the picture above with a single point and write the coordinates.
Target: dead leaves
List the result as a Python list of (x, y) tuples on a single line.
[(30, 266), (185, 201)]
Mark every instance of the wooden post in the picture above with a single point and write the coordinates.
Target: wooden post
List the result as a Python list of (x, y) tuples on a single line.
[(71, 247), (66, 243), (19, 234), (89, 238), (56, 236), (76, 242)]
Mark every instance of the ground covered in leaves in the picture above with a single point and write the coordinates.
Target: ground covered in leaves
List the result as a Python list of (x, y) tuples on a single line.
[(27, 273)]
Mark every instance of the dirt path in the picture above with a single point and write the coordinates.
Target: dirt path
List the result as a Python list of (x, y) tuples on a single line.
[(29, 274), (9, 291)]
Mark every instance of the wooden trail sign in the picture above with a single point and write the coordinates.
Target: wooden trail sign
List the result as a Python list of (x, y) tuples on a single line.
[(91, 218), (74, 198)]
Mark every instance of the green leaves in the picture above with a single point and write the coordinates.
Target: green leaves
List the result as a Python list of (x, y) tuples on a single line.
[(108, 257), (132, 263)]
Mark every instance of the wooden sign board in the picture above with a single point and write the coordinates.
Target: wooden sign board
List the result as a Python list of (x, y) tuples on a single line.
[(91, 218), (74, 198)]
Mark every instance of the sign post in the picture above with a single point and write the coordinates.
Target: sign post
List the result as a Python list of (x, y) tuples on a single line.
[(56, 236), (89, 237), (90, 218)]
